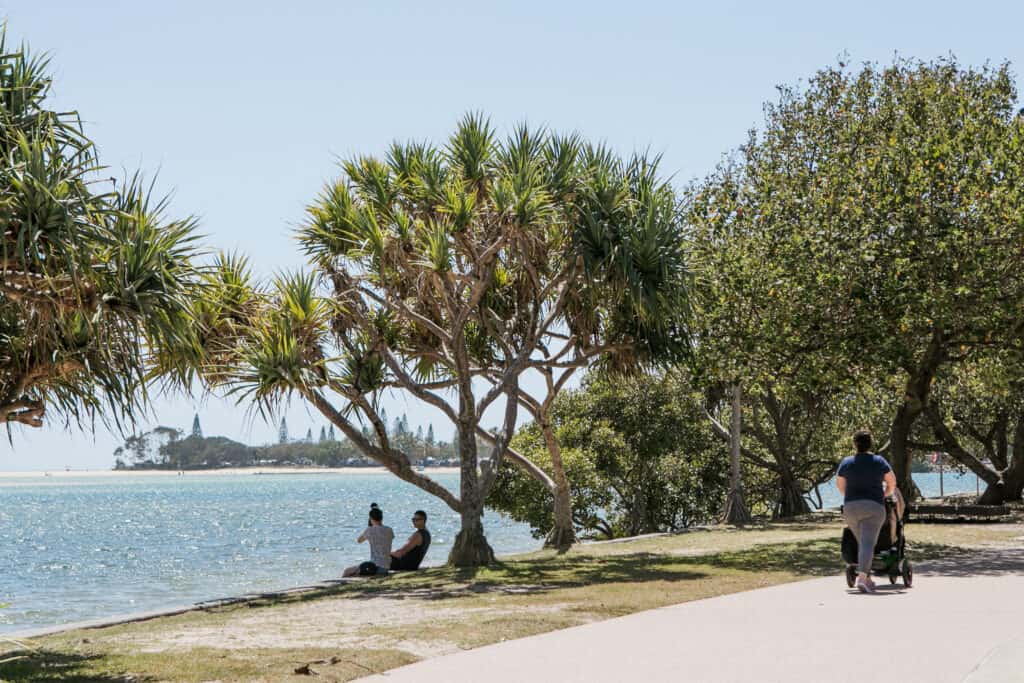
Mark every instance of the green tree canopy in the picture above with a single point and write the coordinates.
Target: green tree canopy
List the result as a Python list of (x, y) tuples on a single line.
[(872, 230), (639, 453), (95, 284)]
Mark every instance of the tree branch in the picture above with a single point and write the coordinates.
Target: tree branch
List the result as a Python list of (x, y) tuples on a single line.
[(25, 411), (559, 384), (409, 314), (491, 466), (955, 449), (396, 462), (520, 461), (414, 387), (723, 433)]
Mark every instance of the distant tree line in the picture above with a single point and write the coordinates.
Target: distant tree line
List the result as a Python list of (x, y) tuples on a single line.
[(170, 448)]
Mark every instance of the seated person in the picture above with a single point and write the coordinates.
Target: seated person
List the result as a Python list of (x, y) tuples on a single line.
[(380, 538), (409, 556)]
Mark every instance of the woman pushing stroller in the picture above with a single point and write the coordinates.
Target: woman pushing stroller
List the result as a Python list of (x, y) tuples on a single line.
[(865, 480)]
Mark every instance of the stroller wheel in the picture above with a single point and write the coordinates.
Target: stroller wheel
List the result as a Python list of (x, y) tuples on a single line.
[(851, 576), (908, 574)]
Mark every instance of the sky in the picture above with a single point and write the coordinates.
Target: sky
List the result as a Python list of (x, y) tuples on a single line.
[(242, 109)]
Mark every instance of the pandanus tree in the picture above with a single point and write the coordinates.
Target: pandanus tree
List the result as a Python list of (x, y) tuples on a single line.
[(627, 305), (450, 273), (874, 229), (94, 285)]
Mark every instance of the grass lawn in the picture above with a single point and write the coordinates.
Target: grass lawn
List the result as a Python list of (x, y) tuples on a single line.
[(369, 626)]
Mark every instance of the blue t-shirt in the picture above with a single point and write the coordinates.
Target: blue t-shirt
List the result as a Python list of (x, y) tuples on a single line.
[(864, 475)]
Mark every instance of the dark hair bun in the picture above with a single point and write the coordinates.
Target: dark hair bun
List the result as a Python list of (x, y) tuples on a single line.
[(373, 506)]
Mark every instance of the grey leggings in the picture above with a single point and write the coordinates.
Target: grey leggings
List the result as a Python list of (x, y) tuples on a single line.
[(865, 519)]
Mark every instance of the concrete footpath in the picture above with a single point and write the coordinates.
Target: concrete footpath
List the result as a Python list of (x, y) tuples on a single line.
[(961, 621)]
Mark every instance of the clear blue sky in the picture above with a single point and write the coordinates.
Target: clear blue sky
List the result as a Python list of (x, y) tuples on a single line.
[(243, 107)]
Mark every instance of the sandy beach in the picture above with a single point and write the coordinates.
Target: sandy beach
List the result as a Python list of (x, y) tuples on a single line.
[(230, 471)]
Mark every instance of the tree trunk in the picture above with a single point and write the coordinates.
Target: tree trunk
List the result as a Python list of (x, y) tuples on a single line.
[(899, 451), (1013, 482), (792, 501), (994, 494), (736, 511), (915, 399), (1014, 474), (1009, 488), (563, 534), (637, 513), (471, 548)]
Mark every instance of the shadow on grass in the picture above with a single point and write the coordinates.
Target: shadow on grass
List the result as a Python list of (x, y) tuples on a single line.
[(819, 557), (45, 666), (510, 578), (539, 575), (544, 574)]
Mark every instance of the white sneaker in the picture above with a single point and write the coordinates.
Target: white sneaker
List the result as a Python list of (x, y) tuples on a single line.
[(863, 586)]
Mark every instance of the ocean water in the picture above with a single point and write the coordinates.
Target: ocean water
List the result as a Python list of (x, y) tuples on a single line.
[(75, 549), (928, 482)]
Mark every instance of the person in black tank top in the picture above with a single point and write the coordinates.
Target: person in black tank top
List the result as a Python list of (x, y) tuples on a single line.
[(410, 555)]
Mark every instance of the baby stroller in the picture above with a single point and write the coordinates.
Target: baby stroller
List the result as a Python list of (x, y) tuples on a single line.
[(890, 550)]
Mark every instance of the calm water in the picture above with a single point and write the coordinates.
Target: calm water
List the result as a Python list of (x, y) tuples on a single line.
[(74, 549), (928, 482)]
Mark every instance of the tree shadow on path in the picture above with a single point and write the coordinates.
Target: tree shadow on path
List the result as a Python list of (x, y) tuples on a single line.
[(974, 562)]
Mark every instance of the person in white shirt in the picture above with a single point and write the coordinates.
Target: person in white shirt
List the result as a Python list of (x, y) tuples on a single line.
[(380, 538)]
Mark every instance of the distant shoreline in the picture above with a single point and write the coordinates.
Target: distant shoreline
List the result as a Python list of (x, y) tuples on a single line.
[(221, 472)]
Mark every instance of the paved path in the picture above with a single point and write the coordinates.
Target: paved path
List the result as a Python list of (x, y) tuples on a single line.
[(958, 623)]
